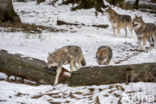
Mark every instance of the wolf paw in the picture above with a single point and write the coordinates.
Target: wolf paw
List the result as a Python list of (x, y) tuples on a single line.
[(55, 83)]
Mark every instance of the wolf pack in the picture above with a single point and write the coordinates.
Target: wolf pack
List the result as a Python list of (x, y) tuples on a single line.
[(73, 54)]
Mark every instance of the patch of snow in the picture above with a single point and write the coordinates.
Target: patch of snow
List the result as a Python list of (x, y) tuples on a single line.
[(89, 39)]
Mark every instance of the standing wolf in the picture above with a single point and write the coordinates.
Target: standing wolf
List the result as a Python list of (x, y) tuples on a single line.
[(66, 55), (104, 55), (119, 21), (144, 31)]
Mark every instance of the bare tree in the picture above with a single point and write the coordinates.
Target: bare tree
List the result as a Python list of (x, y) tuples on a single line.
[(7, 12), (136, 4)]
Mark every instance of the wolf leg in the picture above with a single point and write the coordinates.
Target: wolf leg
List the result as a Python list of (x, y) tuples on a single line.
[(154, 37), (15, 78), (106, 62), (75, 65), (71, 65), (125, 32), (118, 29), (150, 42), (113, 30), (144, 43), (131, 29), (7, 78), (79, 65), (139, 44), (58, 71)]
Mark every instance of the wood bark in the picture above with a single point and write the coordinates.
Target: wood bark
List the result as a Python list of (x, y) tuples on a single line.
[(96, 75), (7, 12), (35, 70)]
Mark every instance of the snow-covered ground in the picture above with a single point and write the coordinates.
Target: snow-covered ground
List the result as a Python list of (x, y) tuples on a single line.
[(89, 39), (133, 93)]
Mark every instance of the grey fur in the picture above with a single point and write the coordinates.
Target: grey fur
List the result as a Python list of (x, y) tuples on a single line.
[(119, 21), (66, 55), (104, 55), (144, 31)]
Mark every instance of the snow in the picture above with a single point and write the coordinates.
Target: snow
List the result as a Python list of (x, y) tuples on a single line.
[(89, 39), (44, 94)]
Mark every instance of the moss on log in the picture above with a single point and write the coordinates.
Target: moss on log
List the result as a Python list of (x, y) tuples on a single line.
[(35, 70)]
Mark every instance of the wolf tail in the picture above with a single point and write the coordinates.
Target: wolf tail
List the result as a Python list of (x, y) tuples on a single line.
[(83, 61)]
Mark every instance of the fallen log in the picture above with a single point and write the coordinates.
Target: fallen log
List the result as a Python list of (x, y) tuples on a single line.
[(35, 70), (96, 75), (60, 22), (26, 68), (28, 28)]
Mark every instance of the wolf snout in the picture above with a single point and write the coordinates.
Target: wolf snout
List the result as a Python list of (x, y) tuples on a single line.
[(134, 24)]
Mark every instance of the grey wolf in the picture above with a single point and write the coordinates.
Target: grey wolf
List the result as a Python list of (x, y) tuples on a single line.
[(119, 21), (104, 55), (66, 55), (144, 31)]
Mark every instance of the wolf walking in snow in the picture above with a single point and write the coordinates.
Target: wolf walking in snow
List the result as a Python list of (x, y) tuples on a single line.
[(66, 55), (104, 55), (144, 31), (119, 21)]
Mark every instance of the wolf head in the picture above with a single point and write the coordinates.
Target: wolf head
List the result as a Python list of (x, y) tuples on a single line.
[(137, 21), (107, 11), (52, 60), (102, 57)]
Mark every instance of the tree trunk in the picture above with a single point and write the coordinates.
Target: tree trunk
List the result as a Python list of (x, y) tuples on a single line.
[(7, 12), (35, 70), (136, 4), (86, 4)]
